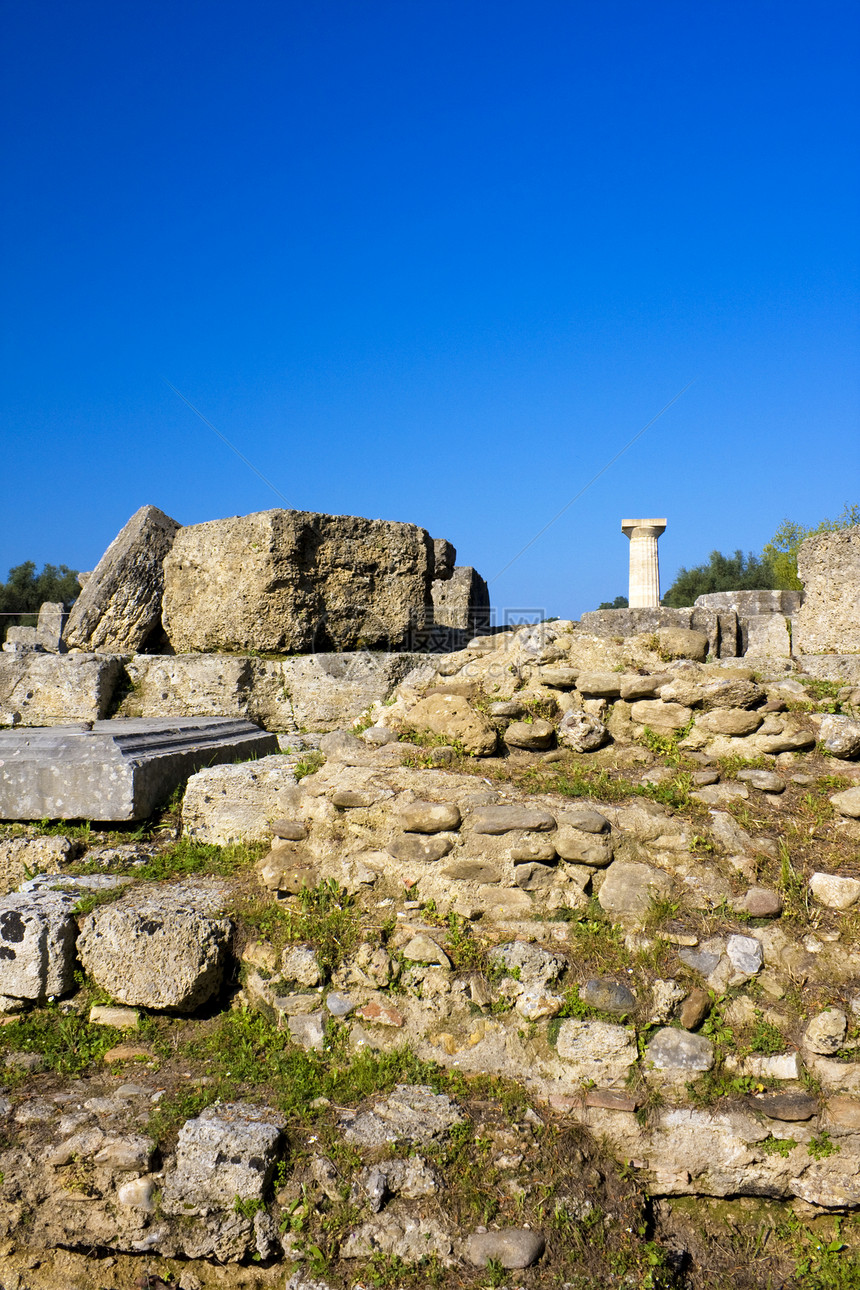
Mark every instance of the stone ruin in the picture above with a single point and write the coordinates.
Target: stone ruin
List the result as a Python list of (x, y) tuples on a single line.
[(583, 858)]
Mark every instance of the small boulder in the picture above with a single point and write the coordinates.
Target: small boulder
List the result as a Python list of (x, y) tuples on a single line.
[(745, 954), (585, 819), (451, 716), (581, 731), (299, 963), (729, 721), (37, 945), (532, 736), (583, 848), (760, 902), (629, 888), (766, 781), (423, 949), (695, 1008), (226, 1154), (504, 819), (418, 848), (599, 685), (162, 947), (835, 891), (660, 716), (607, 996), (840, 736), (512, 1247)]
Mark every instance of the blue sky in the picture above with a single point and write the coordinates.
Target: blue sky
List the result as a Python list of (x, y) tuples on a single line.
[(434, 262)]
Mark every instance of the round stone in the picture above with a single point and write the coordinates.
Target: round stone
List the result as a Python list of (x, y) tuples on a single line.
[(513, 1247)]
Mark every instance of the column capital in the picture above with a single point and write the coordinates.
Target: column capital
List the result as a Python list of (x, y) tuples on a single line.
[(654, 527)]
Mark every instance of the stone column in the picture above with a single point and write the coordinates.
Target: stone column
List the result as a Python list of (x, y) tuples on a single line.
[(644, 590)]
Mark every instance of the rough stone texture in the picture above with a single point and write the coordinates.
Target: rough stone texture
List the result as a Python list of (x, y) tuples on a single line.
[(311, 692), (753, 603), (629, 888), (789, 1107), (582, 731), (227, 1153), (766, 636), (512, 1247), (672, 1049), (237, 803), (159, 948), (607, 996), (633, 622), (680, 642), (835, 891), (848, 802), (841, 736), (583, 848), (450, 716), (600, 685), (766, 781), (660, 716), (825, 1033), (37, 945), (597, 1050), (295, 581), (412, 1113), (22, 856), (56, 689), (585, 819), (118, 770), (462, 601), (745, 954), (828, 565), (536, 967), (119, 609)]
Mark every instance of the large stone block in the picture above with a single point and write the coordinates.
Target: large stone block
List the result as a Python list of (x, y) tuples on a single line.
[(226, 1155), (159, 947), (309, 692), (225, 804), (118, 770), (750, 604), (295, 581), (829, 568), (765, 636), (631, 622), (119, 609), (51, 689), (37, 946), (462, 601)]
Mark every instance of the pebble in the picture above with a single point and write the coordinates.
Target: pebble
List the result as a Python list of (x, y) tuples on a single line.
[(503, 819), (339, 1005), (379, 736), (760, 902), (119, 1018), (417, 848), (848, 802), (695, 1008), (586, 820), (704, 777), (513, 1247), (825, 1033), (423, 949)]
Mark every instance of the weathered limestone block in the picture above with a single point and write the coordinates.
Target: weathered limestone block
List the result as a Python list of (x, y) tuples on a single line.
[(660, 716), (37, 945), (462, 601), (766, 636), (161, 947), (311, 692), (451, 716), (227, 1153), (52, 689), (629, 889), (119, 609), (631, 622), (828, 565), (118, 770), (597, 1050), (749, 604), (22, 856), (296, 581), (226, 804)]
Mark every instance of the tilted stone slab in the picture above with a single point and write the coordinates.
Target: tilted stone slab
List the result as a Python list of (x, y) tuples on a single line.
[(118, 770), (52, 689), (119, 609)]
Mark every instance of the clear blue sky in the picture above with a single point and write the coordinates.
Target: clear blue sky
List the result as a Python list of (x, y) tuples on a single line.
[(436, 261)]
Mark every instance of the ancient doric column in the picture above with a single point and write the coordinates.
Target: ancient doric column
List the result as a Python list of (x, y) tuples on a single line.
[(644, 567)]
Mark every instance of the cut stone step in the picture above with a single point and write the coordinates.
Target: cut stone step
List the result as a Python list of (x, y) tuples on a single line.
[(118, 770)]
